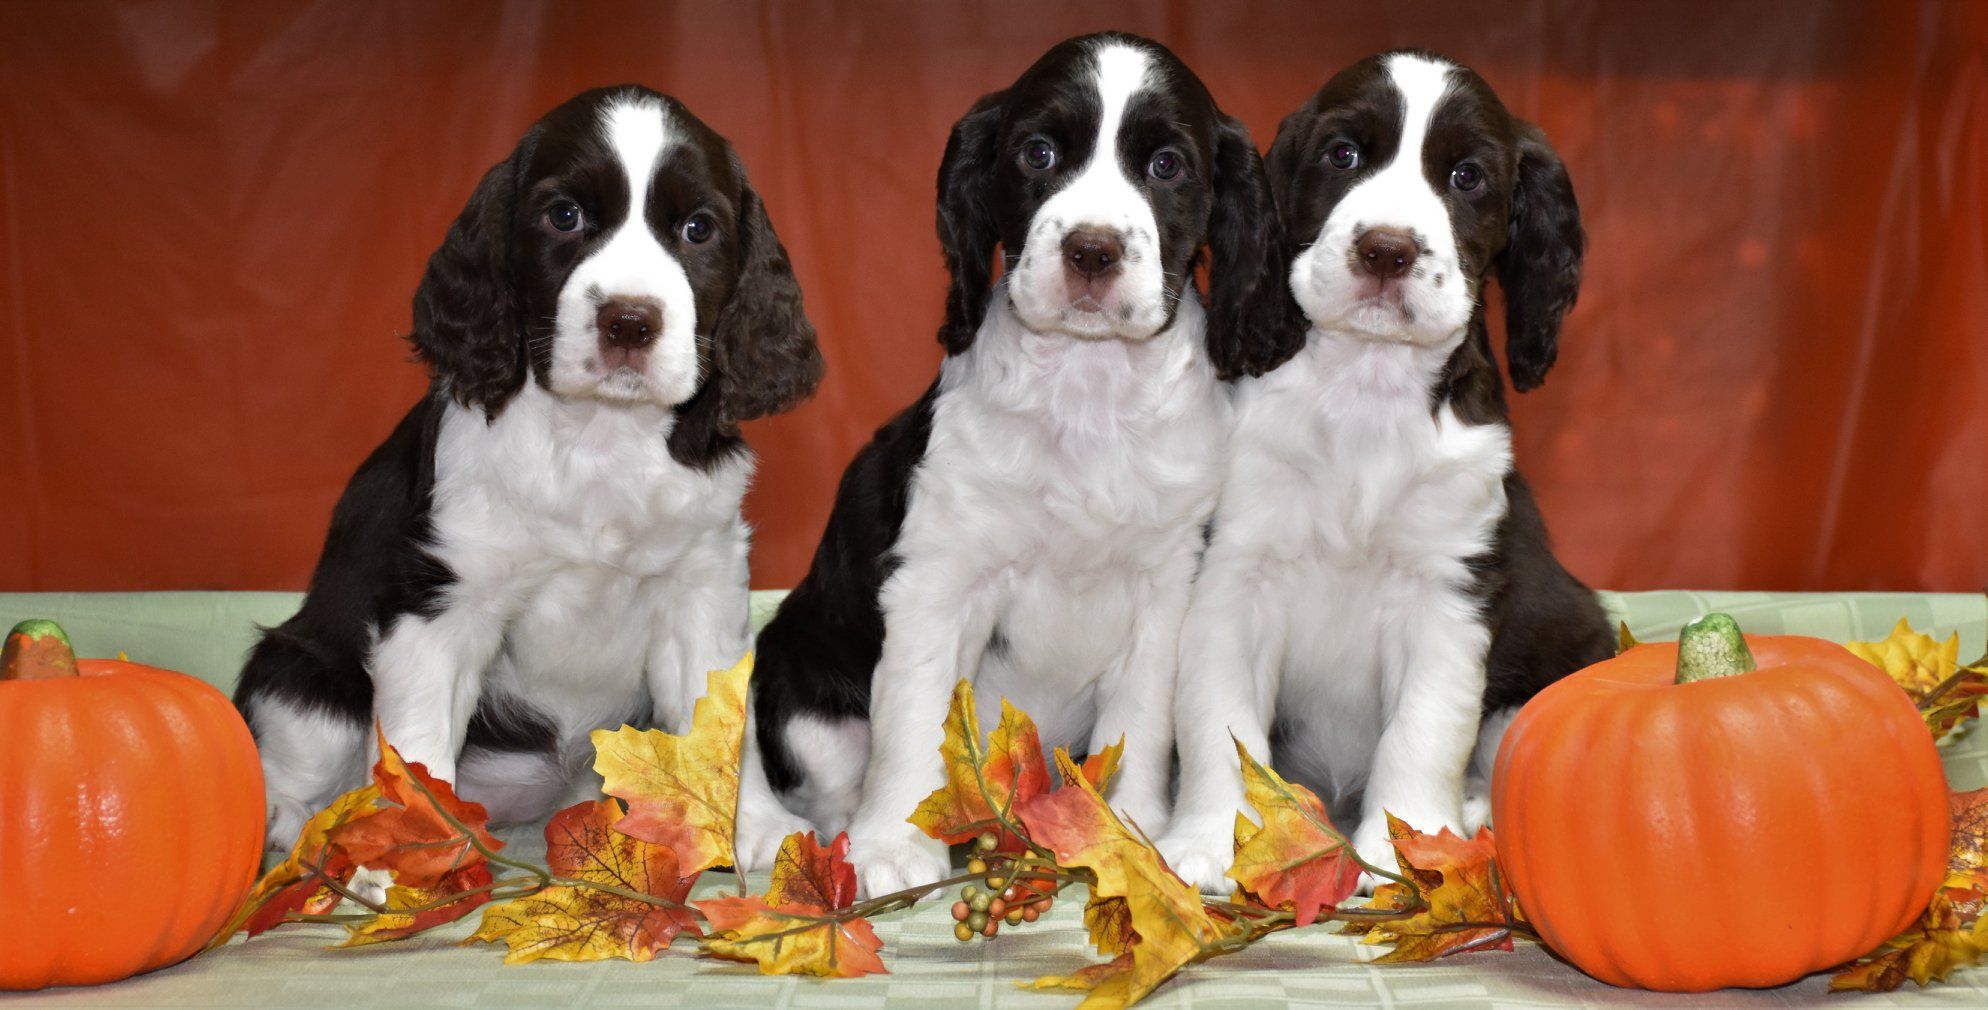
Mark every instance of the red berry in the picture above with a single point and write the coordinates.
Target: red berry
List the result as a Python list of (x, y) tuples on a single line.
[(1029, 914), (960, 911), (993, 927)]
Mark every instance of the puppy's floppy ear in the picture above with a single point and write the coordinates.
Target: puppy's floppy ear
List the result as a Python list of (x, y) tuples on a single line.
[(467, 320), (1540, 268), (967, 231), (762, 343), (1254, 324)]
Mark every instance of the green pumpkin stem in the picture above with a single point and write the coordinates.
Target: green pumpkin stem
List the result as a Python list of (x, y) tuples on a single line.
[(1712, 647), (37, 650)]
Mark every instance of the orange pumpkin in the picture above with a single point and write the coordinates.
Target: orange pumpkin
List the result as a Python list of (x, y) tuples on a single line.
[(1776, 810), (133, 814)]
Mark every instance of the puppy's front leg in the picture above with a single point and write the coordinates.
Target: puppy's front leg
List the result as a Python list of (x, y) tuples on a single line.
[(427, 677), (934, 633), (1230, 648), (1136, 697), (1434, 686)]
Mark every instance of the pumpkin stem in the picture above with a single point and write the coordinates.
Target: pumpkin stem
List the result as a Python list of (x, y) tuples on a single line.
[(1712, 647), (37, 650)]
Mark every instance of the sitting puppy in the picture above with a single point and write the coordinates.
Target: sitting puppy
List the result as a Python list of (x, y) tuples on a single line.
[(1032, 522), (1378, 593), (550, 542)]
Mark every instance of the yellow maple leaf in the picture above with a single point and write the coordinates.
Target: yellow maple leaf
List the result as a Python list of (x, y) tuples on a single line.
[(1297, 858), (565, 922), (1930, 949), (790, 939), (1918, 662), (983, 784), (1171, 927), (683, 790)]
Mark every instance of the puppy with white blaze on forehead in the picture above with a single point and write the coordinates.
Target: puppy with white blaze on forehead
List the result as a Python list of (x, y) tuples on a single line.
[(1032, 522), (550, 542), (1378, 594)]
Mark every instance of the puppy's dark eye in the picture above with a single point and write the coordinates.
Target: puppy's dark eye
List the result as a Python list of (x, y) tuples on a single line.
[(1343, 155), (1165, 165), (1466, 177), (1038, 155), (565, 216), (698, 228)]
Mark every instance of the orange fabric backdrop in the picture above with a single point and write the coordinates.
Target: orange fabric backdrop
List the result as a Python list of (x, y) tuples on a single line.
[(213, 216)]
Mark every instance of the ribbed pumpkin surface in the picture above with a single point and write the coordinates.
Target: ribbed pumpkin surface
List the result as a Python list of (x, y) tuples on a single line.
[(131, 820), (1743, 831)]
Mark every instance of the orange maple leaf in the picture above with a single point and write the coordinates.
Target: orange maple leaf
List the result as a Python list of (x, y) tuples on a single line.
[(807, 873), (569, 922), (1459, 881), (1297, 859), (683, 790), (299, 883), (472, 882), (421, 833), (1169, 926), (985, 785)]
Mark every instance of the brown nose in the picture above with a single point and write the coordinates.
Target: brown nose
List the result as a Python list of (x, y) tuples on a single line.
[(1385, 253), (629, 323), (1092, 253)]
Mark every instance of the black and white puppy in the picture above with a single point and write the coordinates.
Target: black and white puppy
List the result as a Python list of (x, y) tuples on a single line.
[(1032, 522), (1378, 593), (550, 542)]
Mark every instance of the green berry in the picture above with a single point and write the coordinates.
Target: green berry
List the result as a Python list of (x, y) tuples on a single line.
[(976, 922)]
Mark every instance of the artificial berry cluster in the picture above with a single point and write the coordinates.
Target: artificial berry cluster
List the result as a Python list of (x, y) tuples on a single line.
[(1012, 900)]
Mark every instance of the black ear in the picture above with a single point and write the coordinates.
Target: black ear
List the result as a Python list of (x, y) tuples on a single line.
[(762, 344), (1254, 324), (467, 323), (1540, 268), (967, 230)]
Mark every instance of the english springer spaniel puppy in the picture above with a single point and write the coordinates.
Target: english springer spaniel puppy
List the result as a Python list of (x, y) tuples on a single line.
[(550, 542), (1378, 594), (1032, 522)]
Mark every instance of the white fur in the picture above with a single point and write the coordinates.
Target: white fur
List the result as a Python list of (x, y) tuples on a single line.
[(1336, 598), (1100, 197), (1435, 299), (631, 264), (1060, 500), (308, 759)]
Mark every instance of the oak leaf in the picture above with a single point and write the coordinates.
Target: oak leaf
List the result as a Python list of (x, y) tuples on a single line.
[(1458, 878), (1297, 859), (420, 831), (409, 907), (1169, 925), (683, 790), (986, 784), (569, 922)]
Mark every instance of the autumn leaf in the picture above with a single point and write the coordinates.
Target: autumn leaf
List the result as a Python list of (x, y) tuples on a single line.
[(984, 786), (1926, 952), (566, 922), (421, 833), (471, 881), (1170, 925), (1624, 641), (1297, 859), (683, 791), (1966, 883), (807, 873), (1109, 921), (1918, 662), (298, 884), (1101, 766), (1459, 882), (790, 939), (1086, 978)]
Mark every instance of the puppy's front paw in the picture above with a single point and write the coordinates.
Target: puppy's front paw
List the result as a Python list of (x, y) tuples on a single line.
[(370, 884), (890, 862), (761, 831), (1371, 841), (1201, 854)]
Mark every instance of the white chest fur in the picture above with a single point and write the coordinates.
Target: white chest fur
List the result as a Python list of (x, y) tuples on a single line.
[(1072, 478), (571, 526)]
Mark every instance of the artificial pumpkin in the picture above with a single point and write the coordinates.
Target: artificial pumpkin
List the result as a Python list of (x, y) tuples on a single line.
[(133, 814), (1720, 811)]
